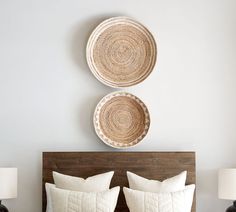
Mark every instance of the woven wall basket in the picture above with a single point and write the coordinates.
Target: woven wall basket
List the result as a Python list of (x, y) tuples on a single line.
[(121, 120), (121, 52)]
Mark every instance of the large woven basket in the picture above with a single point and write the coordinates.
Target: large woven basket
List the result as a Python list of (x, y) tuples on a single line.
[(121, 52), (121, 120)]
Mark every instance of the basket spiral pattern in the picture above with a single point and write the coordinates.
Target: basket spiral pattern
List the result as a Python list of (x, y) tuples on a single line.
[(121, 52), (121, 120)]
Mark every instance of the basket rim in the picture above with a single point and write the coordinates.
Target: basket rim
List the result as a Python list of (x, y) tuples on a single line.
[(101, 28), (110, 96)]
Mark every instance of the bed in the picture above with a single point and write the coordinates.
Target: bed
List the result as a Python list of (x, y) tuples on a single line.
[(152, 165)]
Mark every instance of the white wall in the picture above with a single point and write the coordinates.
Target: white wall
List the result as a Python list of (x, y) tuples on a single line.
[(47, 93)]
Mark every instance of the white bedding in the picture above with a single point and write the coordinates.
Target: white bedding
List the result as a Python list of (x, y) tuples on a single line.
[(179, 201)]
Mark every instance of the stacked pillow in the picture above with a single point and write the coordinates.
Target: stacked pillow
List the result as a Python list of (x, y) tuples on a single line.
[(76, 194), (170, 195), (81, 195), (172, 184)]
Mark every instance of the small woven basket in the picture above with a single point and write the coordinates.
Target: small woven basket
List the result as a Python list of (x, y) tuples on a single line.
[(121, 120)]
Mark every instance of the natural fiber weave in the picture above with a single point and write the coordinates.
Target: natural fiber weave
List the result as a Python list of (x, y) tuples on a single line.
[(121, 52), (121, 120)]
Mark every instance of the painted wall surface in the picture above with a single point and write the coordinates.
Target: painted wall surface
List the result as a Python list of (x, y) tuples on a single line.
[(48, 94)]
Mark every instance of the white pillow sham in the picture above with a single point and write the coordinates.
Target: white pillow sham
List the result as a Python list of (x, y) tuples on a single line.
[(74, 201), (180, 201), (96, 183), (172, 184), (48, 187)]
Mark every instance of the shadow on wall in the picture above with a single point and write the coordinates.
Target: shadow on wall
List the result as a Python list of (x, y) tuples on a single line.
[(81, 36), (207, 184), (85, 120), (79, 41)]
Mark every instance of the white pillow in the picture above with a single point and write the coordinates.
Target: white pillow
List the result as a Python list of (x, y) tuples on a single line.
[(172, 184), (48, 187), (180, 201), (74, 201), (96, 183)]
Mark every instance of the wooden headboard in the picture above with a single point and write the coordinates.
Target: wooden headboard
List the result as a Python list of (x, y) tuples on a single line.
[(152, 165)]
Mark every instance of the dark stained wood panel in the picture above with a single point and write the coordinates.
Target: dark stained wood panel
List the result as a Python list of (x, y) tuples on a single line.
[(151, 165)]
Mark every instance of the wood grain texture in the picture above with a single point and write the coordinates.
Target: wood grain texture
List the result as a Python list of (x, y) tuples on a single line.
[(152, 165)]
